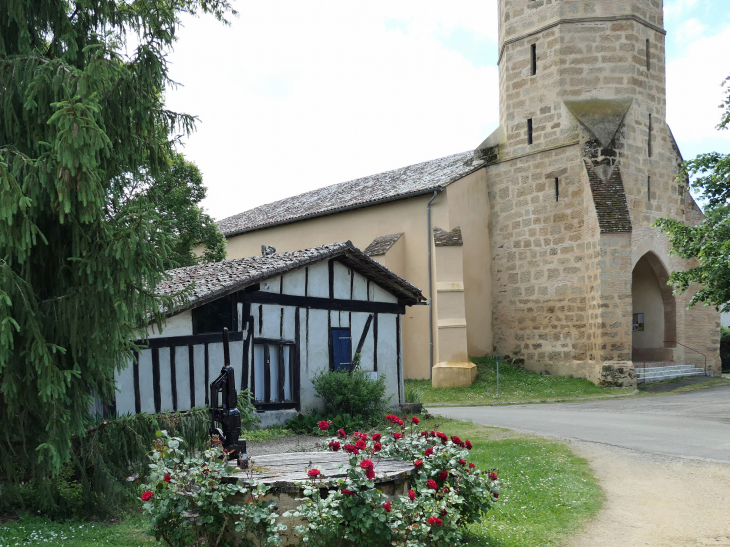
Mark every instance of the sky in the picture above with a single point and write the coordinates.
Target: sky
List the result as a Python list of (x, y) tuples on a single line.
[(296, 95)]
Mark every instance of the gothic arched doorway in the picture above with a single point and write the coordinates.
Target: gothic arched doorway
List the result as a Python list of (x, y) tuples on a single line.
[(655, 311)]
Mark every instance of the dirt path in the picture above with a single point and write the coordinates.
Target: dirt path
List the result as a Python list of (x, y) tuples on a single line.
[(656, 500)]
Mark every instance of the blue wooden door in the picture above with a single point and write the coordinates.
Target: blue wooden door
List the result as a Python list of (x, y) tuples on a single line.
[(341, 349)]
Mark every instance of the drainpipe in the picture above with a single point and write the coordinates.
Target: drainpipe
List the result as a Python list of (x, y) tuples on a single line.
[(430, 280)]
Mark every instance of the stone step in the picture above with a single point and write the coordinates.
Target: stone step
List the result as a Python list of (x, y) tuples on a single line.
[(670, 372)]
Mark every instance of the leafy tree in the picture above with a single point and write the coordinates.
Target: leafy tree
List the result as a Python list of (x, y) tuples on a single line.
[(79, 118), (708, 242), (175, 194)]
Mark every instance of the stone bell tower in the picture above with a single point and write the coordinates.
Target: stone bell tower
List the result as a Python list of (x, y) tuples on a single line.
[(580, 167)]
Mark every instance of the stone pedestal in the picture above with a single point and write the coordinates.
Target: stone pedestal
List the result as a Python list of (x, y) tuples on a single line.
[(453, 374)]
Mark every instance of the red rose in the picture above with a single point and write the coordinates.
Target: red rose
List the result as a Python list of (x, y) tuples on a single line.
[(206, 471), (386, 506), (324, 425), (433, 433), (147, 495), (356, 434), (443, 512), (366, 464), (397, 435), (443, 475), (435, 521), (462, 461), (360, 444), (428, 452), (377, 437), (334, 445), (350, 448), (418, 463), (446, 490), (347, 492), (399, 422), (415, 420), (424, 433), (167, 477), (314, 473), (341, 433), (369, 473), (468, 444), (472, 466), (432, 484), (492, 476), (412, 495), (377, 447), (495, 494)]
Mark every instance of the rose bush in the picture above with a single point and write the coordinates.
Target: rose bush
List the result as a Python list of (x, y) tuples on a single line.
[(447, 493), (193, 501)]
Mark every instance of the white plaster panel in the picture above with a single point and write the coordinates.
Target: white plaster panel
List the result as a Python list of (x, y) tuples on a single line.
[(381, 295), (318, 346), (388, 354), (177, 325), (271, 323), (146, 391), (165, 380), (303, 333), (215, 362), (236, 350), (125, 384), (201, 386), (340, 319), (358, 324), (258, 363), (182, 377), (294, 282), (287, 376), (271, 285), (239, 313), (273, 387), (342, 281), (318, 284), (359, 287), (289, 323)]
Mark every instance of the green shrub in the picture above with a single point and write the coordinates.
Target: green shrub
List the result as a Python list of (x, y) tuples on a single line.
[(725, 348), (352, 393), (413, 394)]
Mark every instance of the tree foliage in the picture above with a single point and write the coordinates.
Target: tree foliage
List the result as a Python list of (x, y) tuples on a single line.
[(81, 113), (709, 241), (175, 193)]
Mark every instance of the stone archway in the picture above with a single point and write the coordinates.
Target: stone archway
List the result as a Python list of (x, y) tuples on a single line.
[(654, 309)]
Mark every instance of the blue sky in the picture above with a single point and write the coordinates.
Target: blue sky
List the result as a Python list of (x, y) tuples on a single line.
[(298, 95)]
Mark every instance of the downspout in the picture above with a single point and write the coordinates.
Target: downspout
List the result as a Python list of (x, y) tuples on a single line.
[(430, 280)]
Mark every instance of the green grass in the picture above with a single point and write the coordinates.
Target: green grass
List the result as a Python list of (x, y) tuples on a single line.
[(516, 384), (266, 434), (548, 493), (130, 532)]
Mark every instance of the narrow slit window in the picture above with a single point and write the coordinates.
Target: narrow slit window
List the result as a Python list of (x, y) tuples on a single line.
[(533, 57), (648, 58), (649, 139), (557, 189), (648, 188), (529, 131)]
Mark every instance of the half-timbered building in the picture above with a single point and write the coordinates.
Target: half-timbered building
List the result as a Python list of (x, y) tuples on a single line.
[(290, 316)]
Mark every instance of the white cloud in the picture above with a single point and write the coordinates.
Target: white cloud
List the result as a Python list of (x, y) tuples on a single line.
[(694, 91), (676, 8), (689, 30), (294, 96)]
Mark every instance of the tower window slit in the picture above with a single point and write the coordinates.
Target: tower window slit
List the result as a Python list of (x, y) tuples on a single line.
[(648, 188), (557, 189), (649, 139), (533, 50), (648, 58), (529, 131)]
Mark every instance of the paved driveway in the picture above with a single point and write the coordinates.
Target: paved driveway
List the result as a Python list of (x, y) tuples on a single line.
[(694, 424)]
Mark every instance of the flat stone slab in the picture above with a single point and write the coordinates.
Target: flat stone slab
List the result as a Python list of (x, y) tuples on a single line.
[(281, 471)]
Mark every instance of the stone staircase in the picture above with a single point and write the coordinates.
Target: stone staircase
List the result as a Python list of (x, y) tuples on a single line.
[(656, 371)]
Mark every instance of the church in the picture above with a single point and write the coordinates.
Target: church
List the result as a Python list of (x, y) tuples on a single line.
[(538, 244)]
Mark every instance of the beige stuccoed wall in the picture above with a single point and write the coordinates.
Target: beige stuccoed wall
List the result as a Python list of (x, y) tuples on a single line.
[(361, 226)]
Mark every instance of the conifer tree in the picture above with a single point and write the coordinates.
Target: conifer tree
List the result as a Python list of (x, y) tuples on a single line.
[(82, 111)]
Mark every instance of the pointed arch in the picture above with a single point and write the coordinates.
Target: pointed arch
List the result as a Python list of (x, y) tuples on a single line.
[(670, 303)]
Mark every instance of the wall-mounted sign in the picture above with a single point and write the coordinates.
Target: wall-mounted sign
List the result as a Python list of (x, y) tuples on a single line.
[(638, 323)]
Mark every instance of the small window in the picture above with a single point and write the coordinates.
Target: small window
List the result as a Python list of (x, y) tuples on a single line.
[(533, 49), (557, 189), (648, 188), (649, 139), (214, 316), (638, 323), (648, 58), (529, 131)]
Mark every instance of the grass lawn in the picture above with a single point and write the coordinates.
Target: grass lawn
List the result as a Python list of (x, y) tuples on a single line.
[(547, 494), (516, 384)]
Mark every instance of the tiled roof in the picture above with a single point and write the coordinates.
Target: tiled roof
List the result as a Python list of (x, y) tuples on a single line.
[(217, 279), (442, 238), (380, 245), (391, 185), (610, 200)]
